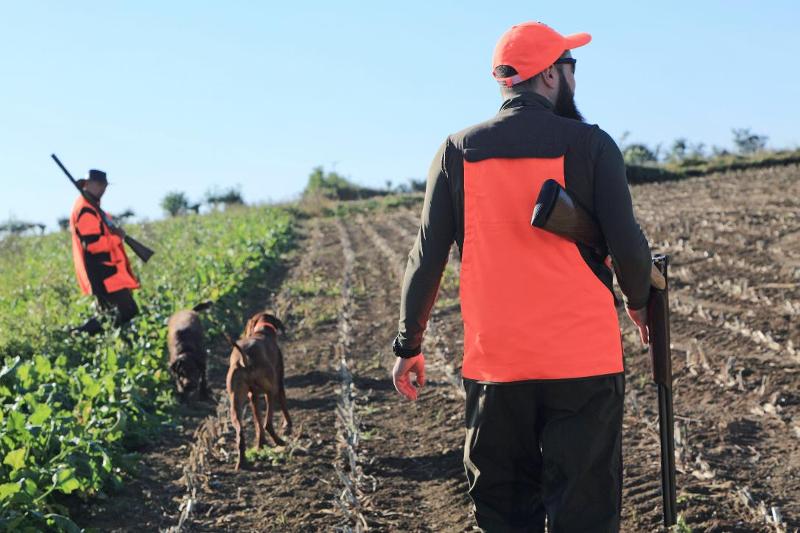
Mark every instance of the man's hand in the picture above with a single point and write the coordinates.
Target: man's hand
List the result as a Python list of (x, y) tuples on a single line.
[(400, 375), (639, 317)]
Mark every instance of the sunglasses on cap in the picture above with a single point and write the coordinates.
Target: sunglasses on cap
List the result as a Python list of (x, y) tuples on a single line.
[(567, 61)]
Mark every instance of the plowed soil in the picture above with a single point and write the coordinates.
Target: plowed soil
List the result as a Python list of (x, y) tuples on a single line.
[(361, 458)]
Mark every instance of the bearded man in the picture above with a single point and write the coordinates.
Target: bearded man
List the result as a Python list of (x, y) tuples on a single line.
[(543, 364)]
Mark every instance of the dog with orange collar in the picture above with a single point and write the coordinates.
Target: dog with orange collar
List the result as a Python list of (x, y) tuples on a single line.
[(256, 369)]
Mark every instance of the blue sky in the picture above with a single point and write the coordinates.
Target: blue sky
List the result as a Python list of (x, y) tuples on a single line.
[(189, 96)]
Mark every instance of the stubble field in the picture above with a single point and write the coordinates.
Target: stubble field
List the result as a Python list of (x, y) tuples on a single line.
[(362, 458)]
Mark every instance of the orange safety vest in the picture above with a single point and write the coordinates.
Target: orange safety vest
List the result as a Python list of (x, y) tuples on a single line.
[(532, 307), (85, 221)]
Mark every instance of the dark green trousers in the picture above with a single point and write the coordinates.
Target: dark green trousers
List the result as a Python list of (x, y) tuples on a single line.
[(546, 452)]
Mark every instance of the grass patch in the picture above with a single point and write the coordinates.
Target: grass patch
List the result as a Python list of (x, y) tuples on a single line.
[(316, 286), (326, 207), (272, 456), (681, 526)]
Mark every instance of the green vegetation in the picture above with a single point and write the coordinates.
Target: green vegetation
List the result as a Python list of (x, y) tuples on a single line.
[(18, 227), (175, 203), (332, 208), (334, 186), (317, 286), (682, 526), (75, 407), (685, 159), (331, 194), (228, 197), (268, 454), (700, 167)]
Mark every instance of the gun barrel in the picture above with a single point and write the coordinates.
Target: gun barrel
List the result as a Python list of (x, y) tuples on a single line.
[(658, 325), (666, 426)]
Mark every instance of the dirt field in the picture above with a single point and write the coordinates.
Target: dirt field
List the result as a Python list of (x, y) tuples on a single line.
[(362, 458)]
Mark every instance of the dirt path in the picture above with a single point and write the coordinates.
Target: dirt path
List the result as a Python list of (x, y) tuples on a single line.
[(412, 450), (362, 458), (290, 488)]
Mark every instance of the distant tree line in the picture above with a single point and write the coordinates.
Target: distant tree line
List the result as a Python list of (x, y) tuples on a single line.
[(684, 152), (19, 227), (176, 203), (333, 186)]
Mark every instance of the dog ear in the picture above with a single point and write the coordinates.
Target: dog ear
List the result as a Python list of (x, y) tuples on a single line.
[(275, 321), (251, 324)]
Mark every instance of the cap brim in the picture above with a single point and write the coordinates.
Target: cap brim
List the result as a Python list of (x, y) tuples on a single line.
[(576, 40)]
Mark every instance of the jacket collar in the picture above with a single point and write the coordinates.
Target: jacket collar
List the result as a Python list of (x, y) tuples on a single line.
[(532, 100), (91, 196)]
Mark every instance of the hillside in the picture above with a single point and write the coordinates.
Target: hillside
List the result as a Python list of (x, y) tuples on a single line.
[(360, 457)]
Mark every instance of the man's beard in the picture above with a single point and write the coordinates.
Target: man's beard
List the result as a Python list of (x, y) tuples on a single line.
[(565, 101)]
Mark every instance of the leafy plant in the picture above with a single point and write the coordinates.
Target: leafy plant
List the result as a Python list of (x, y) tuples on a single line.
[(638, 154), (175, 203), (73, 406)]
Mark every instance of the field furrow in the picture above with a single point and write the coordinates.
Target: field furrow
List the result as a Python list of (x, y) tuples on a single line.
[(413, 449), (291, 488)]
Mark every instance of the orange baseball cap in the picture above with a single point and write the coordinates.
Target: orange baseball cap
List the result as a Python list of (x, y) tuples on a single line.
[(530, 48)]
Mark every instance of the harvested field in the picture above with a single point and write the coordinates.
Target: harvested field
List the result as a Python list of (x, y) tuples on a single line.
[(361, 458)]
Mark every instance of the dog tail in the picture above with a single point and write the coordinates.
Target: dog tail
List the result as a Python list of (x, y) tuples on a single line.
[(202, 306), (236, 346)]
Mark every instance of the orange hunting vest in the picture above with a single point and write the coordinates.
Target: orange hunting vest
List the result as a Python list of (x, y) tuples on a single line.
[(85, 221), (532, 307)]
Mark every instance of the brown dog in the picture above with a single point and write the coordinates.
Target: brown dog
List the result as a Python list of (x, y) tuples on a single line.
[(187, 354), (256, 368)]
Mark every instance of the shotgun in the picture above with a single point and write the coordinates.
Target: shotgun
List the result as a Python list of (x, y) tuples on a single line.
[(557, 211), (658, 325), (143, 252)]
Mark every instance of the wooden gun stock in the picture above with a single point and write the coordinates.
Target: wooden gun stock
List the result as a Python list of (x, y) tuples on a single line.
[(557, 212), (143, 252)]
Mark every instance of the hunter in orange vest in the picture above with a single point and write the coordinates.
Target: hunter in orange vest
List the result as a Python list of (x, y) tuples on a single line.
[(101, 265), (543, 367)]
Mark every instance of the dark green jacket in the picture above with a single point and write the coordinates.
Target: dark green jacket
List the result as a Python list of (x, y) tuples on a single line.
[(524, 127)]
